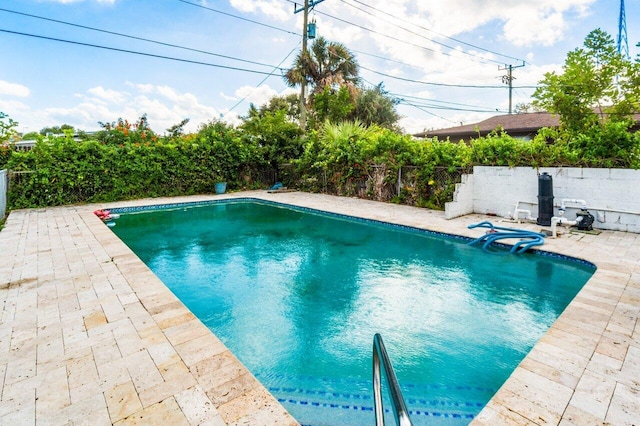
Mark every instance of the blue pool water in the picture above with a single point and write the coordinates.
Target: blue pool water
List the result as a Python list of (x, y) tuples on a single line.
[(298, 296)]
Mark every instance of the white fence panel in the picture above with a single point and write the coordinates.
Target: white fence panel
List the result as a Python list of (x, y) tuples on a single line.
[(3, 193)]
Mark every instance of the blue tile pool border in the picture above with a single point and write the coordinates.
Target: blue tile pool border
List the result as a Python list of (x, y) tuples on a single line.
[(173, 206)]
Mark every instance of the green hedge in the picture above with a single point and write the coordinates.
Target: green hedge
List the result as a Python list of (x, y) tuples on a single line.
[(344, 159), (63, 171)]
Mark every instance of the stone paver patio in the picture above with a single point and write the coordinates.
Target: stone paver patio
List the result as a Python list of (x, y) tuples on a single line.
[(89, 335)]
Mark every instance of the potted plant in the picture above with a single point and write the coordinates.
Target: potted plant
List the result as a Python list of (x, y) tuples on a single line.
[(221, 187), (220, 183)]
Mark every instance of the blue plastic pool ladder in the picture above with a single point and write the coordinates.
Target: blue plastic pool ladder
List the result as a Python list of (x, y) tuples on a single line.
[(495, 233)]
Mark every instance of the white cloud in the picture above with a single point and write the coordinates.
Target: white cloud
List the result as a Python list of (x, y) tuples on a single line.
[(256, 95), (275, 9), (227, 97), (7, 106), (164, 106), (13, 89), (143, 88), (550, 27), (107, 95), (336, 32), (542, 22)]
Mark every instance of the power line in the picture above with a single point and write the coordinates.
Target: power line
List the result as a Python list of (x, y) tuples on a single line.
[(446, 108), (415, 33), (135, 37), (384, 58), (435, 32), (483, 60), (473, 108), (466, 86), (406, 100), (240, 17), (403, 97), (428, 83), (429, 112), (135, 52), (264, 79), (416, 67)]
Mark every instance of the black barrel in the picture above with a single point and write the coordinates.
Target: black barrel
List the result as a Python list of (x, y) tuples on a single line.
[(545, 199)]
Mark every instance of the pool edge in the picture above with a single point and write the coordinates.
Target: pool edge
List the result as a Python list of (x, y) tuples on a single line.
[(583, 371)]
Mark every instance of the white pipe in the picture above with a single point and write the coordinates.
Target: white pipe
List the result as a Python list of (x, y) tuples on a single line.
[(517, 211), (566, 201), (555, 220)]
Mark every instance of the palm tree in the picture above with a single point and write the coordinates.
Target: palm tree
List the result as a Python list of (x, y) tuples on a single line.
[(325, 64)]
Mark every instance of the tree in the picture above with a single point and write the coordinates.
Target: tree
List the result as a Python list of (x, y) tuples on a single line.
[(325, 64), (57, 130), (368, 106), (525, 108), (597, 85), (7, 128), (31, 136), (332, 105), (277, 137), (290, 104), (122, 131), (177, 130), (375, 106)]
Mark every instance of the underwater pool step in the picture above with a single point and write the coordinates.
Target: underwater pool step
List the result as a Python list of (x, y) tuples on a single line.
[(367, 398), (417, 411), (359, 402)]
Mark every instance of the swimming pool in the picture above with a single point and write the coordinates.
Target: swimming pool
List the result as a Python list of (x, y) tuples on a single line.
[(297, 296)]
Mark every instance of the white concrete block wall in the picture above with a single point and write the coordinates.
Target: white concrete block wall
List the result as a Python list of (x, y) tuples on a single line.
[(462, 203), (612, 195), (497, 189)]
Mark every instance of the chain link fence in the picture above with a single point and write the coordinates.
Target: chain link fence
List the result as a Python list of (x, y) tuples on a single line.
[(409, 185)]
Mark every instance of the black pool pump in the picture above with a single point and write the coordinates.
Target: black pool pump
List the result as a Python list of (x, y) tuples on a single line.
[(545, 199), (586, 223)]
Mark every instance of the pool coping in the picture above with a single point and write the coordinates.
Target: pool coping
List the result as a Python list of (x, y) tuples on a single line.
[(585, 369)]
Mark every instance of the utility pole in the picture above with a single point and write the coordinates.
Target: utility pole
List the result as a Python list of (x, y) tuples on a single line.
[(308, 4), (508, 79)]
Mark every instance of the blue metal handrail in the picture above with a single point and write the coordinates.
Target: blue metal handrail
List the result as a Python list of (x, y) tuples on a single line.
[(399, 407)]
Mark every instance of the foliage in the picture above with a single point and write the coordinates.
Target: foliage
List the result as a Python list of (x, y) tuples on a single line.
[(331, 71), (609, 145), (277, 138), (347, 158), (56, 130), (374, 106), (229, 154), (351, 148), (177, 130), (122, 131), (331, 105), (369, 106), (597, 85), (31, 136), (5, 154), (7, 128), (290, 104), (64, 171), (324, 64)]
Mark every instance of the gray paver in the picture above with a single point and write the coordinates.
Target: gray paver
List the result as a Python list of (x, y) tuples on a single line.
[(88, 332)]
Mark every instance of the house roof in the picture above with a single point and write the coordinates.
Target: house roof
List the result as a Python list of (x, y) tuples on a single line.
[(514, 124)]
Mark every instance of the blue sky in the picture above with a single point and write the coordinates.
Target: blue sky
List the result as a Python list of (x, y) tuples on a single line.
[(44, 82)]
